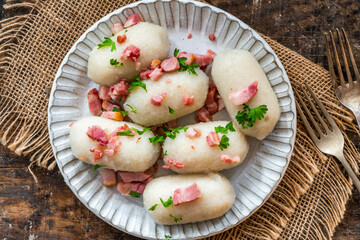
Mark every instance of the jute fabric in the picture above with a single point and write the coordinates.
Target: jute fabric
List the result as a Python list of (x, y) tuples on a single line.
[(310, 200)]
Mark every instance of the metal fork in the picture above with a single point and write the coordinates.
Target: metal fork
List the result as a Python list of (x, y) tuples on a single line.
[(330, 141), (348, 92)]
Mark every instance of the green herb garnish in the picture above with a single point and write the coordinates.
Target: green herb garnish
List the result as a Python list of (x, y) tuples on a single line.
[(248, 116), (107, 43), (176, 52), (126, 31), (183, 66), (156, 139), (176, 219), (132, 108), (171, 133), (224, 130), (168, 203), (167, 236), (134, 194), (190, 225), (165, 153), (96, 167), (116, 63), (171, 111), (141, 132), (115, 109), (153, 207), (224, 142), (137, 83), (125, 133)]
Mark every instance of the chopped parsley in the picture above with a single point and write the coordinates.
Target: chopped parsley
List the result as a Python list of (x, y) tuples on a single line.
[(124, 113), (171, 111), (171, 133), (107, 43), (168, 203), (248, 116), (176, 219), (126, 31), (190, 225), (224, 130), (156, 139), (96, 167), (176, 52), (224, 142), (141, 132), (116, 63), (183, 66), (167, 236), (137, 83), (134, 194), (165, 154), (132, 108), (153, 207), (125, 133)]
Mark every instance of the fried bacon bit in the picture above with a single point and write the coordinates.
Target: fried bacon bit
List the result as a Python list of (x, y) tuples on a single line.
[(203, 60), (145, 74), (155, 64), (104, 93), (166, 166), (157, 100), (210, 102), (138, 66), (192, 146), (189, 36), (170, 65), (192, 133), (112, 146), (212, 37), (71, 124), (170, 124), (244, 94), (188, 100), (229, 159), (134, 176), (117, 116), (188, 194), (168, 81), (98, 134), (213, 139), (203, 115), (190, 58), (108, 106), (123, 128), (174, 163), (94, 102), (121, 39), (117, 27), (211, 53), (108, 177), (97, 153), (119, 90), (133, 20), (125, 188), (82, 159), (156, 74), (131, 52), (178, 86)]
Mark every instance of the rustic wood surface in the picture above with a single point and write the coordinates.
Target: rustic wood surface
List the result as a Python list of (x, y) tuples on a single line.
[(49, 210)]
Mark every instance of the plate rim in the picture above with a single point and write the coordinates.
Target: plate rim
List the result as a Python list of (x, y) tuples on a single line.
[(214, 9)]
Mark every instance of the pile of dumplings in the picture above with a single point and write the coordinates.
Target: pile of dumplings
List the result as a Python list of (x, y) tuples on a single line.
[(196, 153)]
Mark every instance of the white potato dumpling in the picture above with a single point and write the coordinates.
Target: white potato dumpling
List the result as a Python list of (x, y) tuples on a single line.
[(196, 154), (175, 85), (217, 197), (151, 39), (135, 153), (235, 69)]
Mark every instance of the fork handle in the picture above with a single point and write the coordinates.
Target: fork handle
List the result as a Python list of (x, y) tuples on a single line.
[(350, 171), (357, 116)]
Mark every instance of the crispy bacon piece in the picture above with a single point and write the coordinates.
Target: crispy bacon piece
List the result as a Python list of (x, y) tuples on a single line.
[(97, 153), (104, 93), (134, 176), (189, 36), (171, 124), (108, 177), (122, 128), (119, 90), (190, 58), (117, 27), (210, 102), (229, 159), (188, 100), (131, 52), (213, 139), (203, 60), (170, 65), (211, 53), (168, 81), (94, 102), (155, 64), (244, 94), (121, 39), (203, 115), (108, 106), (98, 134), (117, 116), (133, 20), (188, 194), (157, 100), (166, 166), (112, 146), (71, 124), (174, 163), (125, 188), (212, 37), (192, 133), (145, 74), (156, 74)]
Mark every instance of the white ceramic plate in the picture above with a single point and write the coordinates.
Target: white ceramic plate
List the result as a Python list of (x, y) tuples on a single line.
[(253, 181)]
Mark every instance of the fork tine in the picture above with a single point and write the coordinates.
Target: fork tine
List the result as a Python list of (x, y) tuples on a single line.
[(305, 121), (311, 118), (353, 63), (338, 66), (331, 63), (323, 109), (348, 73)]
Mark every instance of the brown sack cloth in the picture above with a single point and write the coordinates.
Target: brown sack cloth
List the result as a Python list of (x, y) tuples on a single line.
[(308, 203)]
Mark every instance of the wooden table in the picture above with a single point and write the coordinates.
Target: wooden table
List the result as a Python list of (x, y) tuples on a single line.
[(49, 210)]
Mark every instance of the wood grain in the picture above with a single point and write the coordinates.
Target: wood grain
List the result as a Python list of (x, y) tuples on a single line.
[(49, 210)]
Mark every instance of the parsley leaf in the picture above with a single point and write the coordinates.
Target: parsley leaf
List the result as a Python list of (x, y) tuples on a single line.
[(125, 133), (224, 142), (141, 132), (248, 116), (116, 63), (176, 220), (115, 109), (185, 67), (153, 207), (107, 43), (176, 52), (168, 203), (230, 127), (165, 154), (132, 108), (190, 225), (171, 133), (156, 139), (167, 236), (126, 31), (97, 166), (171, 111), (224, 130), (134, 194), (137, 83)]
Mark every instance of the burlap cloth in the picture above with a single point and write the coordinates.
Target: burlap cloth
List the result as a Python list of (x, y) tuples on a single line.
[(308, 203)]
